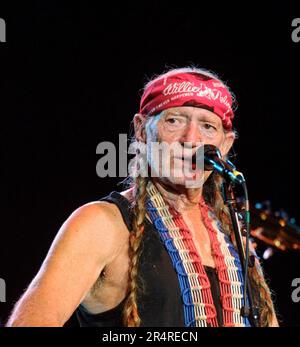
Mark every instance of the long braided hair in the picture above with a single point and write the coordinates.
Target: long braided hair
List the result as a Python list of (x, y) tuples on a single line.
[(130, 314), (213, 196)]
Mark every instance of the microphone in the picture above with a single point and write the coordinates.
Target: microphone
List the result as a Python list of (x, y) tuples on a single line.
[(213, 161)]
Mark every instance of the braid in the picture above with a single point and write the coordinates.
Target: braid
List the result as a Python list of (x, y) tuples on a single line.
[(130, 314), (262, 294), (213, 196)]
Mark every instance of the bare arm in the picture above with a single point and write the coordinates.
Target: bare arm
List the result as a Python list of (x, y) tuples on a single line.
[(86, 242)]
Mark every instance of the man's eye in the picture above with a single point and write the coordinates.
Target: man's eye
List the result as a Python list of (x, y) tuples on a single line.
[(209, 126), (172, 121)]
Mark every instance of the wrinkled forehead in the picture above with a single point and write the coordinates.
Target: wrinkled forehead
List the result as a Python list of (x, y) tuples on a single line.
[(191, 112)]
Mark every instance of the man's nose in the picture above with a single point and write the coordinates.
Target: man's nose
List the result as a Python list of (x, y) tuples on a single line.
[(192, 134)]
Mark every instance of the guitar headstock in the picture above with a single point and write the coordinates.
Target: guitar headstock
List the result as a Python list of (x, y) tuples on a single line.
[(276, 229)]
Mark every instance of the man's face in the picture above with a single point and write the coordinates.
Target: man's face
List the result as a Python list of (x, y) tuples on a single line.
[(184, 130)]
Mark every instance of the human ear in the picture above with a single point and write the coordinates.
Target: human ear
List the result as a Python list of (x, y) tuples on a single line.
[(227, 143), (139, 121)]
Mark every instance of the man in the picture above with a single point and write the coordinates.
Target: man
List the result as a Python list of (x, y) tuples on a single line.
[(162, 252)]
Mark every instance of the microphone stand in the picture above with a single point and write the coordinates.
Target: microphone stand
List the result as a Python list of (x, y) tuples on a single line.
[(229, 197)]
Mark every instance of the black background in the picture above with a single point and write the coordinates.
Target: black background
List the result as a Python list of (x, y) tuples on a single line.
[(71, 77)]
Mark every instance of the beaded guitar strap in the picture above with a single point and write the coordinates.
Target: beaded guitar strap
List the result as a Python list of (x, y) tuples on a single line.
[(198, 305)]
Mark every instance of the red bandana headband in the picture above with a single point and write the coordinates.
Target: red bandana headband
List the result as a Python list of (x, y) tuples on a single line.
[(188, 89)]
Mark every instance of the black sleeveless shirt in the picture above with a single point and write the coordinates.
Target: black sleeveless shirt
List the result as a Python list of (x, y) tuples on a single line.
[(159, 301)]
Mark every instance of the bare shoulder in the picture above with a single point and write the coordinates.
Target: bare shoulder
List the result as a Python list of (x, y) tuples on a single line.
[(89, 240), (100, 224)]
